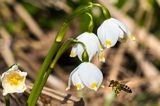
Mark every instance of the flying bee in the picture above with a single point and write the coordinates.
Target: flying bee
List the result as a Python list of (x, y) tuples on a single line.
[(117, 86)]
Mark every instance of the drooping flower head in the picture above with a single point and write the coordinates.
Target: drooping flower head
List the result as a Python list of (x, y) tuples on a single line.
[(85, 75), (111, 30), (13, 80), (91, 41)]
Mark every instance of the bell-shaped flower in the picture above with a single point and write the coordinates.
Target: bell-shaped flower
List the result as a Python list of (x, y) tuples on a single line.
[(93, 46), (111, 30), (85, 75), (13, 80)]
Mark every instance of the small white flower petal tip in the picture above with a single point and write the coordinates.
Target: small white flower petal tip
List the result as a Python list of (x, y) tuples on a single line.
[(14, 67), (94, 86), (68, 88), (73, 52), (101, 57), (13, 80), (132, 37), (102, 86), (86, 75), (108, 43), (79, 86)]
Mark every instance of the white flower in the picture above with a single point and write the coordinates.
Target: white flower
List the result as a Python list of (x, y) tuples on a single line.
[(13, 80), (86, 74), (111, 30), (91, 41)]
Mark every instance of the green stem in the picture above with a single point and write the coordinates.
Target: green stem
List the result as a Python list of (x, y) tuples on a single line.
[(44, 67), (7, 100), (65, 46), (105, 11), (77, 12), (110, 99), (91, 23)]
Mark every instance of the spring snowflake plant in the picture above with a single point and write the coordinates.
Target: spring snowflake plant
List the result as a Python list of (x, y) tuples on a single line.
[(86, 74), (13, 81)]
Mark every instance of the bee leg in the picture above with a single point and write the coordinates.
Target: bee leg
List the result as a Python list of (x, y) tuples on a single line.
[(112, 88), (117, 91), (110, 85)]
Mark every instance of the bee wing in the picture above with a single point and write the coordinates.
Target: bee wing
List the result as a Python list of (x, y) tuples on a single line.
[(123, 81), (120, 81), (108, 80)]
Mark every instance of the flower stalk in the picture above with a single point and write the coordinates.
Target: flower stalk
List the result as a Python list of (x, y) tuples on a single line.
[(91, 23), (104, 10), (7, 100)]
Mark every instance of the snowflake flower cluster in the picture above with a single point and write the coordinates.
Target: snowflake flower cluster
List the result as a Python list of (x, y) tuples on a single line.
[(108, 33)]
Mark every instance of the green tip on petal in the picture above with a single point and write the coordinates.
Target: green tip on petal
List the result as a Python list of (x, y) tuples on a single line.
[(101, 57), (72, 54), (85, 57), (94, 86), (102, 86), (108, 43), (79, 86), (67, 88), (132, 37)]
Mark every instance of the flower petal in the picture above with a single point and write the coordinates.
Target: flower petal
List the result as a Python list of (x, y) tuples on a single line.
[(13, 80), (121, 34), (132, 37), (91, 42), (73, 51), (121, 25), (70, 78), (111, 30), (101, 34), (101, 57), (77, 81), (108, 33), (90, 75), (124, 28)]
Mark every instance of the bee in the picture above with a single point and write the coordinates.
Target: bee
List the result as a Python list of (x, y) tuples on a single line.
[(117, 86)]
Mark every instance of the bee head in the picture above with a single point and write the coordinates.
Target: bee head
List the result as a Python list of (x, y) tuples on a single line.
[(111, 83)]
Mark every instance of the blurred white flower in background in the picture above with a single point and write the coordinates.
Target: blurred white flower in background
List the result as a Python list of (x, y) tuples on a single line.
[(158, 1), (111, 30), (13, 80), (85, 75), (93, 46)]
